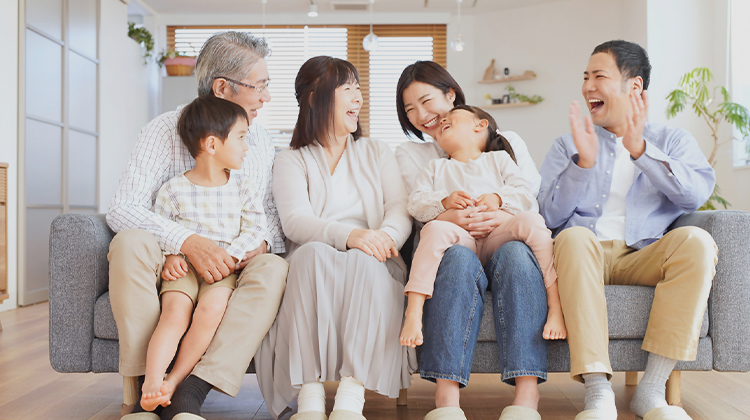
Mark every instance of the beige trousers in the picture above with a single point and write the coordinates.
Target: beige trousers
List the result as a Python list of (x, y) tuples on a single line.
[(681, 265), (135, 263)]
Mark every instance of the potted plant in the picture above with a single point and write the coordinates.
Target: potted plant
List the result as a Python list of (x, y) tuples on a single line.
[(176, 63), (142, 36), (693, 89)]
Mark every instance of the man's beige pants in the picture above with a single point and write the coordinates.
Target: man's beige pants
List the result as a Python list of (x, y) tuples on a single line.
[(135, 264), (681, 265)]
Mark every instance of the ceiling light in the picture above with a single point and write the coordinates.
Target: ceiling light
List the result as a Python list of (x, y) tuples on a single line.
[(458, 43), (313, 10), (370, 42)]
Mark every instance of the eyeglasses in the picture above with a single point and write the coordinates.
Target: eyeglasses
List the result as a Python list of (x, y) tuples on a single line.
[(259, 89)]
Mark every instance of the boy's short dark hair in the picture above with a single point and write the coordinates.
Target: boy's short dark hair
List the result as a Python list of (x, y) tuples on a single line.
[(207, 116), (631, 59)]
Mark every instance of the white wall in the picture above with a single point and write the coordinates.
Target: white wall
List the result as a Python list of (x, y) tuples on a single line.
[(702, 41), (555, 41), (9, 138), (127, 95)]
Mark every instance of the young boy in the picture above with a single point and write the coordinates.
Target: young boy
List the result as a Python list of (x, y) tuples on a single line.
[(218, 204)]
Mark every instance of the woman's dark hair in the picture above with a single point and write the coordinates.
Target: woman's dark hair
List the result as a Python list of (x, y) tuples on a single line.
[(315, 89), (207, 116), (495, 140), (428, 72), (631, 59)]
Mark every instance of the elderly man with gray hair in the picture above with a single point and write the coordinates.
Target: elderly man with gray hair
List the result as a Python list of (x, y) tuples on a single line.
[(232, 66)]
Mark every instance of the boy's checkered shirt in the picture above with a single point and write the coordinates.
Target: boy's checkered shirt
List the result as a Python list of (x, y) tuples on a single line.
[(230, 215), (158, 156)]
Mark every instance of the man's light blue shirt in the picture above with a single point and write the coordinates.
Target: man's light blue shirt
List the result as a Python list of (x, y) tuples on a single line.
[(671, 177)]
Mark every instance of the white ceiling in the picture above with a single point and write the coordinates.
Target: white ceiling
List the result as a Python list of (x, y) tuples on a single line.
[(469, 7)]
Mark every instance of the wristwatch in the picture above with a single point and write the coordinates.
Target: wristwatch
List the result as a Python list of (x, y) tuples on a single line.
[(268, 248)]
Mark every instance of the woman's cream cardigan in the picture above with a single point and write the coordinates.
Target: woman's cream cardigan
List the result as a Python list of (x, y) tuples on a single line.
[(302, 185)]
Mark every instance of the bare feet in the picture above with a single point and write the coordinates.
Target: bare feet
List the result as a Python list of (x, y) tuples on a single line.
[(151, 400), (555, 329), (411, 334)]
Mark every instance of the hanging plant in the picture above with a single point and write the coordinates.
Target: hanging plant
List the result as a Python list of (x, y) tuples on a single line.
[(142, 36)]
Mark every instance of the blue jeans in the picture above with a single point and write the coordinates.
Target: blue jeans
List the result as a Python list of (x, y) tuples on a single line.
[(453, 315)]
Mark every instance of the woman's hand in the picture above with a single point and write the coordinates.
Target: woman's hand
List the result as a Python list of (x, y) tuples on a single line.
[(492, 201), (461, 218), (375, 243), (481, 223), (175, 267)]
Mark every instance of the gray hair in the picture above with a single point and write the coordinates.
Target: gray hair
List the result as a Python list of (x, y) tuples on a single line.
[(229, 54)]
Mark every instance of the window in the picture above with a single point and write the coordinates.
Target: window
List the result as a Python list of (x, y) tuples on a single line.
[(399, 46), (740, 59)]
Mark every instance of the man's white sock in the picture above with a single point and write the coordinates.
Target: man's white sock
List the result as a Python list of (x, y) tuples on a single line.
[(350, 395), (599, 394), (312, 397), (652, 387)]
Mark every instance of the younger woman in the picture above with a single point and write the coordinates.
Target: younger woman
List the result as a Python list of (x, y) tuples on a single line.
[(481, 171)]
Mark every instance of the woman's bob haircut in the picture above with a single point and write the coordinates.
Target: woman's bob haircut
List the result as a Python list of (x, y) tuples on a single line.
[(315, 89)]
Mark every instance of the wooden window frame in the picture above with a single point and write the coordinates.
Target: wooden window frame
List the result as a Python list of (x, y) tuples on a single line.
[(356, 54)]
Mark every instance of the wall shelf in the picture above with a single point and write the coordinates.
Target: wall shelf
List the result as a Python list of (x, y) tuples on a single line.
[(513, 105), (527, 75)]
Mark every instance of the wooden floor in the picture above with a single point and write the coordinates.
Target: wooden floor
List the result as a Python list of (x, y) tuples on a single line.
[(30, 389)]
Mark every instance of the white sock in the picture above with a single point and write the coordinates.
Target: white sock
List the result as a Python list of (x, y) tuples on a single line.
[(312, 397), (652, 387), (350, 395), (599, 394)]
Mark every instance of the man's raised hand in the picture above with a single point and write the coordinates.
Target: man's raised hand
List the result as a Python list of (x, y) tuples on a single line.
[(585, 139)]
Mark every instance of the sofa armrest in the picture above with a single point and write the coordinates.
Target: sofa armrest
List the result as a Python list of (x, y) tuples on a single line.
[(79, 274), (729, 303)]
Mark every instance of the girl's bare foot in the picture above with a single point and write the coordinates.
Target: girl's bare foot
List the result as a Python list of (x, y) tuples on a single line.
[(151, 400), (411, 334), (555, 329)]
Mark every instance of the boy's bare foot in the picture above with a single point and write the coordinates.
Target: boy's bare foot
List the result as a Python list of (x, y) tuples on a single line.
[(151, 400), (555, 329), (411, 334)]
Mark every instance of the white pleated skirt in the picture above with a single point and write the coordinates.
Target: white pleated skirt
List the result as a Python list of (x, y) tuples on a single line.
[(341, 315)]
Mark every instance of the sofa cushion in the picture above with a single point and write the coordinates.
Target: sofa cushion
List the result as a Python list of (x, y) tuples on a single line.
[(628, 308), (104, 322)]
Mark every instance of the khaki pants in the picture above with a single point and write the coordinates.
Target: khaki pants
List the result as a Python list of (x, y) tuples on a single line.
[(135, 263), (681, 265)]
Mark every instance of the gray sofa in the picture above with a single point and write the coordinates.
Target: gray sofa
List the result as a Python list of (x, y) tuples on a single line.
[(83, 334)]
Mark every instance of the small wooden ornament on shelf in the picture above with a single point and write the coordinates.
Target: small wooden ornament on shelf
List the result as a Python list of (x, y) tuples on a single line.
[(527, 75)]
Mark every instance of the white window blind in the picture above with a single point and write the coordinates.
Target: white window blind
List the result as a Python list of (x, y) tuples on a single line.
[(290, 49), (386, 64), (399, 46)]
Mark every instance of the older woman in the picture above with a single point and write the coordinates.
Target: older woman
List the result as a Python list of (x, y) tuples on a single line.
[(342, 204), (425, 94)]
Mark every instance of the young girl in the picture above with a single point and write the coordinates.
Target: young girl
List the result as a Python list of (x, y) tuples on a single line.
[(481, 171)]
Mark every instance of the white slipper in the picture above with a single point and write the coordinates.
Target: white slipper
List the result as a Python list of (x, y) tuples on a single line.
[(143, 415), (516, 412), (187, 416), (596, 415), (446, 413), (309, 415), (345, 415), (670, 412)]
